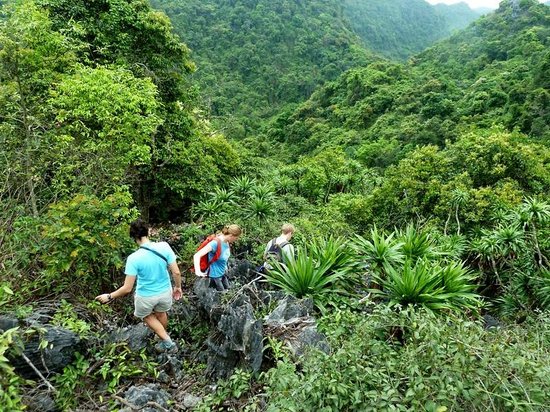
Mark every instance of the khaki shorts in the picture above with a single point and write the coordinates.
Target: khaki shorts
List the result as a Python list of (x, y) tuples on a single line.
[(145, 305)]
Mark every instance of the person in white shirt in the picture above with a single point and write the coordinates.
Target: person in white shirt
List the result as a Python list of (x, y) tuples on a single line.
[(280, 248)]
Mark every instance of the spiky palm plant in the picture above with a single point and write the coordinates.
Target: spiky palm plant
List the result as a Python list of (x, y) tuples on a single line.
[(206, 208), (284, 184), (535, 213), (263, 191), (260, 209), (381, 253), (222, 196), (305, 277), (242, 186), (452, 247), (541, 287), (510, 241), (416, 244), (334, 252), (437, 288)]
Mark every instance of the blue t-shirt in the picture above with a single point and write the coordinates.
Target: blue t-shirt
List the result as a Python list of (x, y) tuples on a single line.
[(217, 269), (151, 271)]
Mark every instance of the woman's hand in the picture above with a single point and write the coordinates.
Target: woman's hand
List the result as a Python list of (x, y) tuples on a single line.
[(177, 293), (104, 298)]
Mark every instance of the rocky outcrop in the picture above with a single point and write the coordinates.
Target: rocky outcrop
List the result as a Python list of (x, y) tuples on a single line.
[(44, 347), (145, 398), (236, 338)]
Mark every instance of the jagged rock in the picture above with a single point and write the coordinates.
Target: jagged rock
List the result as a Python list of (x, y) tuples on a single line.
[(241, 271), (238, 341), (40, 402), (190, 400), (289, 308), (268, 297), (137, 336), (184, 311), (7, 322), (208, 298), (490, 322), (62, 344), (294, 324), (138, 396), (308, 338)]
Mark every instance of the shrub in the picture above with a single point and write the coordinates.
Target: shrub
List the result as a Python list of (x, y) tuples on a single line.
[(414, 360), (315, 272), (10, 398), (434, 286), (84, 239)]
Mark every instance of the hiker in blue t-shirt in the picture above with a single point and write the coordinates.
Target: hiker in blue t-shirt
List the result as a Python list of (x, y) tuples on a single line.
[(217, 269), (149, 266)]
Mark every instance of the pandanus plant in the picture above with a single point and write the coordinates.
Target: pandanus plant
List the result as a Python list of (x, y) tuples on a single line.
[(315, 272)]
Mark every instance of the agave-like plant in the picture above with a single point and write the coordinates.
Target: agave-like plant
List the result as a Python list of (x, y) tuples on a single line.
[(426, 284), (510, 240), (242, 186), (259, 208), (541, 287), (381, 253), (416, 244), (334, 253), (222, 196), (452, 247), (263, 191), (535, 212), (206, 208), (303, 277)]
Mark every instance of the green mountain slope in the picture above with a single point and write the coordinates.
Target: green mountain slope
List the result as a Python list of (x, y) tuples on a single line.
[(399, 28), (254, 56), (495, 72)]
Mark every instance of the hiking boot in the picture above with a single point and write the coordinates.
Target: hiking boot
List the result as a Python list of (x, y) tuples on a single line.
[(166, 347)]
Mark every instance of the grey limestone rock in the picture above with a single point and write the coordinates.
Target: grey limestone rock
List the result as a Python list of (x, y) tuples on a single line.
[(139, 396)]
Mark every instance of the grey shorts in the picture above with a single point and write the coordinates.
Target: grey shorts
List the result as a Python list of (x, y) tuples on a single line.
[(145, 305)]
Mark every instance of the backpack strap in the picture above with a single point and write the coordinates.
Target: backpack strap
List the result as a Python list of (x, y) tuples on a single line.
[(217, 253), (155, 252), (282, 245)]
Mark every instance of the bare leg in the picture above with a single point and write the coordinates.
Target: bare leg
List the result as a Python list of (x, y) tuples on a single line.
[(225, 281), (163, 319), (217, 283), (157, 327)]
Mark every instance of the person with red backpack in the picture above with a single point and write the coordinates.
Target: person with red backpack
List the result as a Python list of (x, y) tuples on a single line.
[(212, 257)]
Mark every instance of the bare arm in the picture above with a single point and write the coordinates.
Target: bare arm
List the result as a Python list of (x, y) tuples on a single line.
[(176, 275), (197, 260), (121, 291)]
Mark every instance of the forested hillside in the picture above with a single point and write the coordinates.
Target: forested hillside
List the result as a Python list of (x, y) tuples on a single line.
[(254, 57), (495, 72), (418, 193), (398, 29)]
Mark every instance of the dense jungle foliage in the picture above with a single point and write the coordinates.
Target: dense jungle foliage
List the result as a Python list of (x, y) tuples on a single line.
[(419, 190), (256, 57), (398, 29)]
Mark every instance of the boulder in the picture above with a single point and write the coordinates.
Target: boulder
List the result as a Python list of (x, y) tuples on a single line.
[(139, 397), (237, 340), (7, 322), (289, 308), (137, 336), (59, 352)]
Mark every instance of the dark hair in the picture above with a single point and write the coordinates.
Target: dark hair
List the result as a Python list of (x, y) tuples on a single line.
[(139, 229)]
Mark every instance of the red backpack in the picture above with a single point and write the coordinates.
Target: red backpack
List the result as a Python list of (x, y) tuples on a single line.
[(204, 262)]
